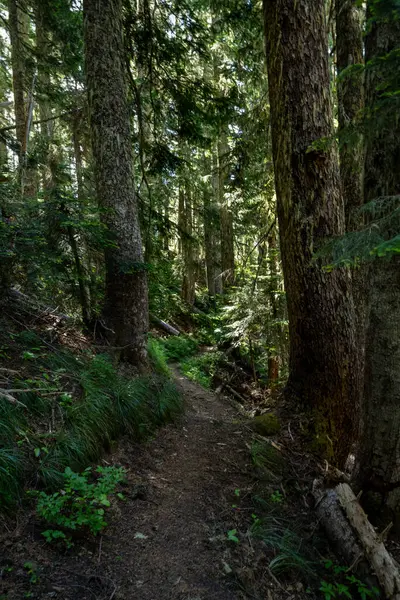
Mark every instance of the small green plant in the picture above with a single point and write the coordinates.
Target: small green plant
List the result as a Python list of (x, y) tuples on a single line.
[(55, 535), (276, 497), (80, 504), (33, 576), (345, 586), (232, 537), (256, 522)]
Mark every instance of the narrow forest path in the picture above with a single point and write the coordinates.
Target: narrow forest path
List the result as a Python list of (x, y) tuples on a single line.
[(189, 475), (187, 487)]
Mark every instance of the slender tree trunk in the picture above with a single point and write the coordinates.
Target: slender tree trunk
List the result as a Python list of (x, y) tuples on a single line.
[(215, 221), (273, 359), (379, 457), (209, 220), (188, 281), (226, 217), (126, 303), (16, 22), (81, 263), (310, 209)]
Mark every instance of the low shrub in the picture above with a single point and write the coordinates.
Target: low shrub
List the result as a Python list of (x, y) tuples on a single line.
[(178, 347), (81, 504)]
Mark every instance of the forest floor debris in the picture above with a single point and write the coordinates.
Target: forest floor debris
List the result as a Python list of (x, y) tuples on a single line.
[(212, 511), (192, 530)]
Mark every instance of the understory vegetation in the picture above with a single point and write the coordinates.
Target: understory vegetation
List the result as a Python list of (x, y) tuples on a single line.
[(72, 407)]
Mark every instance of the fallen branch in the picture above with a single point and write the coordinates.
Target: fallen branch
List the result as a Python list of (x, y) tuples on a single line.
[(355, 539), (229, 389), (385, 568), (164, 326), (28, 390), (12, 400)]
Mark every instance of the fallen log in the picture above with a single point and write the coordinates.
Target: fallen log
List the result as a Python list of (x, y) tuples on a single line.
[(356, 540), (164, 326)]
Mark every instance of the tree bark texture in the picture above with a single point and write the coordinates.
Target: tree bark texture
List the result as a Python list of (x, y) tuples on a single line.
[(350, 90), (379, 457), (310, 210), (126, 303)]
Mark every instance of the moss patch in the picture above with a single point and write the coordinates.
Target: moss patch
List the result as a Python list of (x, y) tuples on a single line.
[(267, 424)]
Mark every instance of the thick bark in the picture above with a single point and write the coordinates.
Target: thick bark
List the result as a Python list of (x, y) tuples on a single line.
[(349, 50), (310, 209), (379, 457), (350, 92), (126, 303)]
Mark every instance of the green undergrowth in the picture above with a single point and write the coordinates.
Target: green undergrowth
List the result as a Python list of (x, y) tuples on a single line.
[(82, 503), (202, 367), (75, 408), (199, 367), (179, 347), (270, 516)]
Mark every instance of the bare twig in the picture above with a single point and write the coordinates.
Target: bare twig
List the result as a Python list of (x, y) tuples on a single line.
[(12, 400)]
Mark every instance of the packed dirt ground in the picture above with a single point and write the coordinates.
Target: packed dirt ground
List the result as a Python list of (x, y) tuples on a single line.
[(195, 496)]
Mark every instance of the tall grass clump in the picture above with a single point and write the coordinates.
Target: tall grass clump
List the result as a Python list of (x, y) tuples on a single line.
[(89, 406), (290, 553)]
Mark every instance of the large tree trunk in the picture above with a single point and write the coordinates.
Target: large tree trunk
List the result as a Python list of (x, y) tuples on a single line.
[(310, 209), (350, 91), (349, 50), (379, 458), (126, 303)]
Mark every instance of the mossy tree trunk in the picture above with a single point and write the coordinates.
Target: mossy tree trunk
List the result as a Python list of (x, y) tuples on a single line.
[(126, 303), (379, 457), (310, 210)]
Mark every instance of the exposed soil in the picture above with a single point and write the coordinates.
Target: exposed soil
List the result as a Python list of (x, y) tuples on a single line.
[(168, 540)]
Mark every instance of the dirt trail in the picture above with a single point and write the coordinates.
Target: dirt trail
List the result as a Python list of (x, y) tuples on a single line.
[(168, 539), (192, 472)]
